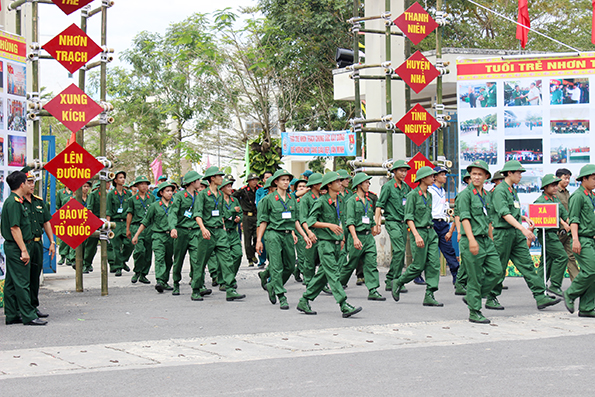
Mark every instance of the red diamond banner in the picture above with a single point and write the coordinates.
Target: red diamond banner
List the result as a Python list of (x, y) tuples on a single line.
[(418, 124), (418, 161), (72, 48), (416, 23), (73, 223), (417, 72), (73, 108), (74, 166), (70, 6)]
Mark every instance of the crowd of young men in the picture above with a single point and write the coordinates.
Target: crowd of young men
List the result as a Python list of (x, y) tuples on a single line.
[(329, 226)]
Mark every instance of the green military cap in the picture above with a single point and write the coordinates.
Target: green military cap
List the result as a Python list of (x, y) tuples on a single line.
[(314, 179), (87, 183), (96, 185), (278, 175), (119, 172), (212, 171), (267, 184), (513, 165), (204, 182), (424, 172), (162, 186), (162, 178), (399, 164), (140, 179), (497, 176), (190, 177), (343, 174), (548, 179), (587, 170), (330, 177), (229, 176), (296, 181), (307, 174), (251, 176), (359, 178), (479, 164), (466, 176), (27, 171), (227, 181)]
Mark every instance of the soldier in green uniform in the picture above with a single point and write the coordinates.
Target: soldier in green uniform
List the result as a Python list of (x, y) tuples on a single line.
[(162, 244), (278, 216), (232, 214), (426, 254), (306, 203), (67, 254), (491, 95), (212, 264), (40, 216), (247, 198), (564, 196), (138, 206), (360, 241), (479, 257), (555, 254), (582, 226), (300, 190), (117, 203), (90, 248), (208, 210), (16, 230), (325, 216), (264, 275), (392, 200), (510, 238)]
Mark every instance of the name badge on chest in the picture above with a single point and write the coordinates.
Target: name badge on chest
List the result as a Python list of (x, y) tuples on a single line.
[(365, 220), (120, 210), (404, 200), (215, 213), (517, 204), (286, 215), (485, 211), (188, 214)]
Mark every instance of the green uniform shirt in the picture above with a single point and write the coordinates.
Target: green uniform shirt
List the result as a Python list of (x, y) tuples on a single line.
[(360, 213), (562, 213), (506, 201), (117, 204), (38, 214), (581, 210), (230, 213), (14, 214), (182, 211), (325, 210), (418, 208), (392, 200), (271, 209), (63, 196), (346, 195), (156, 217), (209, 208), (93, 202), (491, 99), (475, 207), (139, 207)]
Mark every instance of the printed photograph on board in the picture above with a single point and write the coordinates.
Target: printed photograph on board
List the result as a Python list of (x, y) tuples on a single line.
[(17, 151), (1, 151), (523, 92), (527, 151), (17, 115), (531, 181), (569, 121), (1, 76), (478, 149), (477, 95), (573, 149), (527, 121), (565, 91), (478, 123), (2, 186), (16, 79)]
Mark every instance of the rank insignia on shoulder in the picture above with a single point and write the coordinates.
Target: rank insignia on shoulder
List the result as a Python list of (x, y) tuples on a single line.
[(18, 200), (38, 198), (421, 193), (185, 194)]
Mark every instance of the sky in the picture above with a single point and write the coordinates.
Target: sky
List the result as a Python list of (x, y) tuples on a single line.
[(125, 20)]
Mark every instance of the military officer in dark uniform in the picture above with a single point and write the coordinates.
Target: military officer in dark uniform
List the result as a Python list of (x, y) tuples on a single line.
[(247, 198)]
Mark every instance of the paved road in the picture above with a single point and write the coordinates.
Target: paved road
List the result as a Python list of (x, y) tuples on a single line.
[(138, 341)]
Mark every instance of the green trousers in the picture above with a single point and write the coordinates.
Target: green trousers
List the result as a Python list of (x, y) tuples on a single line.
[(300, 254), (17, 285), (122, 246), (397, 233), (143, 253), (425, 260), (91, 248), (462, 277), (281, 251), (36, 263), (571, 265), (310, 261), (483, 270), (511, 245), (213, 268), (187, 241), (328, 272), (556, 259), (370, 265), (235, 246), (67, 254), (216, 245), (163, 247), (583, 285)]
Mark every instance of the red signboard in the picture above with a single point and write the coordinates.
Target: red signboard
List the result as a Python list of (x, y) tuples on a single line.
[(73, 223), (72, 48), (13, 47), (70, 6), (416, 23), (418, 161), (418, 124), (544, 215), (74, 166), (417, 72), (73, 108)]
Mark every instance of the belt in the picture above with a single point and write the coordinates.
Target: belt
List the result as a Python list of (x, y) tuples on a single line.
[(249, 214), (188, 228), (424, 227), (439, 220), (117, 220), (27, 241), (584, 235), (214, 227), (363, 233), (337, 242), (37, 239), (282, 231)]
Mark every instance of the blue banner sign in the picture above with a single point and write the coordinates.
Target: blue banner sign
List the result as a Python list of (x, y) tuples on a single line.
[(318, 143)]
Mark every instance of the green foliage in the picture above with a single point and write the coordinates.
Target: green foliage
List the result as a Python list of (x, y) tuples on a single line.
[(318, 165), (264, 156)]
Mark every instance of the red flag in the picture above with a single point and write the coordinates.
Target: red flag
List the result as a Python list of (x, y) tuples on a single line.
[(593, 24), (522, 33), (72, 139), (157, 167)]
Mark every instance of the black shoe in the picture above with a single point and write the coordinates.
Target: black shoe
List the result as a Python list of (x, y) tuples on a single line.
[(214, 283), (118, 273), (42, 315), (126, 268), (505, 287), (419, 280), (298, 278), (159, 287), (37, 321), (15, 321)]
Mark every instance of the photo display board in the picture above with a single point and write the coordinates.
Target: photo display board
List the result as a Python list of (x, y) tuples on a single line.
[(538, 111)]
